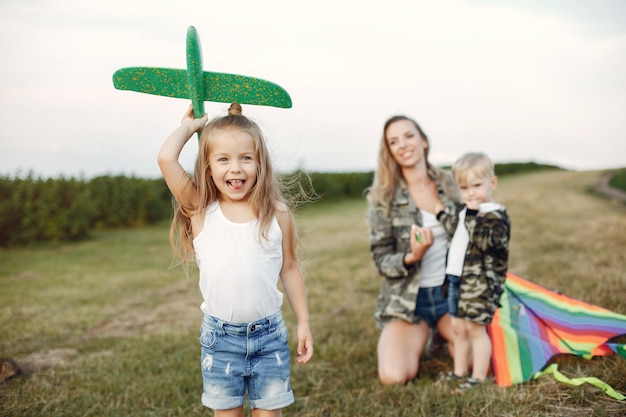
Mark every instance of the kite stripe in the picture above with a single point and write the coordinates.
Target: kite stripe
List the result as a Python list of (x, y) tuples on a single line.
[(535, 323)]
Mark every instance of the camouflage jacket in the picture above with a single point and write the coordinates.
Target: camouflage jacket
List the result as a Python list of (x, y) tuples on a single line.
[(389, 242), (486, 260)]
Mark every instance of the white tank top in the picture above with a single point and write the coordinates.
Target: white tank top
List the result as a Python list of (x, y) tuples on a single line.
[(239, 269), (433, 265)]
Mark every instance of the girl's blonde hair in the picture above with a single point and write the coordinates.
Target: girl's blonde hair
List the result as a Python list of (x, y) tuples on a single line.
[(265, 196)]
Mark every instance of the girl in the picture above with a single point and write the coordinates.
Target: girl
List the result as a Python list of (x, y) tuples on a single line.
[(409, 248), (232, 221)]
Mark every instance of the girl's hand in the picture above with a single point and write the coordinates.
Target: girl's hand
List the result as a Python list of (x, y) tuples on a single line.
[(194, 125), (305, 343)]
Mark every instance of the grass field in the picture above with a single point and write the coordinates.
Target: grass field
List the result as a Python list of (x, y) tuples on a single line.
[(106, 328)]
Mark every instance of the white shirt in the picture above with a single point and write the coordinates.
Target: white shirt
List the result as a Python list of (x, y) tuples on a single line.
[(239, 269), (458, 247), (433, 265)]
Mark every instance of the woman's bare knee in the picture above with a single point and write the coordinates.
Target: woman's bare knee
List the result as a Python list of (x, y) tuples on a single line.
[(393, 378)]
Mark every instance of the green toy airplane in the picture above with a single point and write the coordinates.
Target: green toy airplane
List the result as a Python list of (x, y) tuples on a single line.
[(198, 85)]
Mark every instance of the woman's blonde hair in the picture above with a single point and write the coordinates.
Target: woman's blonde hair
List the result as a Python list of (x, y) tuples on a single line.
[(388, 173), (264, 197)]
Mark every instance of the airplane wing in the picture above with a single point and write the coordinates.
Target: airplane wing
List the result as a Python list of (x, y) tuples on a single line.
[(228, 88), (159, 81), (220, 87)]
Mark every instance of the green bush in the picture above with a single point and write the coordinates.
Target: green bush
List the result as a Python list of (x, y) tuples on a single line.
[(618, 180), (39, 210), (129, 202), (33, 209), (337, 186), (522, 167), (53, 210)]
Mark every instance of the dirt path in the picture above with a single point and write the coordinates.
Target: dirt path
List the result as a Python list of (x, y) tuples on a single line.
[(602, 186)]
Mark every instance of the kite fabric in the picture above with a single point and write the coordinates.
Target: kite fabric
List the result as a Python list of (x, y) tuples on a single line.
[(534, 323)]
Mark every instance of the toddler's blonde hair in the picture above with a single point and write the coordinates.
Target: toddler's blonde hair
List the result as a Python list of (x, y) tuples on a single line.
[(476, 163)]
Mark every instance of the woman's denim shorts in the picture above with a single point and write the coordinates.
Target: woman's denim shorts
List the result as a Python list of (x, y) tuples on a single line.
[(431, 306), (245, 356)]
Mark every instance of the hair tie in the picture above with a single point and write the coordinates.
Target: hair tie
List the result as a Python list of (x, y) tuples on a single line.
[(235, 109)]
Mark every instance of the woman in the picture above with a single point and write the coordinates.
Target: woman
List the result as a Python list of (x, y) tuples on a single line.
[(409, 248)]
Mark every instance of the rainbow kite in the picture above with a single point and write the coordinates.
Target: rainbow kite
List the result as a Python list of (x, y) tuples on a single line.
[(535, 323)]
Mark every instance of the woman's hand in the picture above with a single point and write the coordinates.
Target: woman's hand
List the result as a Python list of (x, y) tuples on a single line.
[(421, 239)]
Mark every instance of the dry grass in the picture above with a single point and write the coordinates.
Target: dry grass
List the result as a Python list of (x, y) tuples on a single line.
[(104, 328), (566, 238)]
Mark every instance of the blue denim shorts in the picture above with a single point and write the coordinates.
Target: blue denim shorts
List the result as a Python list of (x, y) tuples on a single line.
[(454, 283), (240, 357), (431, 306)]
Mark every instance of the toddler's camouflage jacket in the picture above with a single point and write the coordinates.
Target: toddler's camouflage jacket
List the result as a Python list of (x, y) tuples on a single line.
[(486, 261)]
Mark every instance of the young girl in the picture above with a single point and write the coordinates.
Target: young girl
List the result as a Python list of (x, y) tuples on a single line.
[(232, 221), (477, 264)]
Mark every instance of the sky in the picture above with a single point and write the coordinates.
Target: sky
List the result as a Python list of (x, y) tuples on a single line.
[(522, 80)]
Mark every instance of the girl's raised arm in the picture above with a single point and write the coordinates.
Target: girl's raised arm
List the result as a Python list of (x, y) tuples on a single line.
[(178, 181)]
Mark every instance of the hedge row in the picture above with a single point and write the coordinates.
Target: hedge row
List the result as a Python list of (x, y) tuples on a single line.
[(36, 210), (336, 186)]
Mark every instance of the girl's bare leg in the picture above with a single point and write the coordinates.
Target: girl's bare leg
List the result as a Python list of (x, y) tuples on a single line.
[(233, 412), (266, 413)]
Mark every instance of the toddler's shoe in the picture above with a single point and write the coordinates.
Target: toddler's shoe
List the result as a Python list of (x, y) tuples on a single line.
[(450, 377), (468, 384)]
